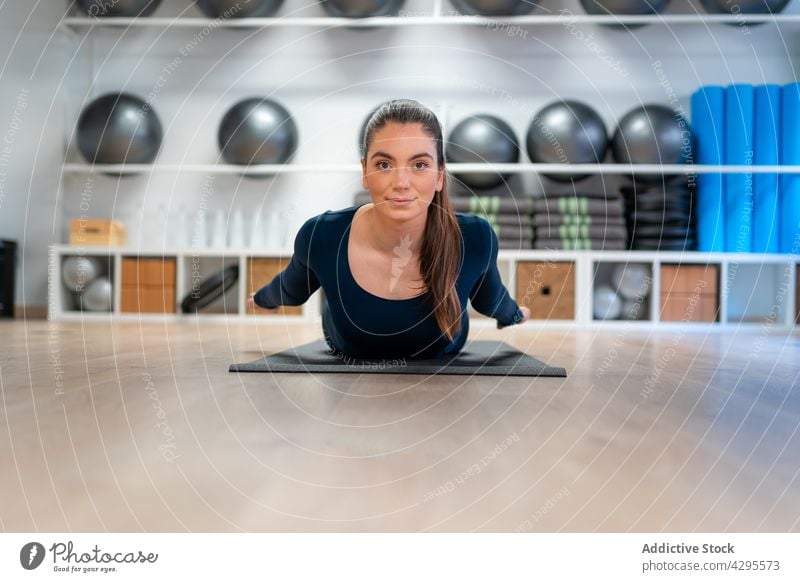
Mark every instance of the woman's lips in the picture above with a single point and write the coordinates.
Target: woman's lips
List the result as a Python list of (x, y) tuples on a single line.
[(400, 201)]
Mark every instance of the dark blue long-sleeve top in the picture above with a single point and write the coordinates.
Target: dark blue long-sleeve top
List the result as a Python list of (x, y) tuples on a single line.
[(360, 324)]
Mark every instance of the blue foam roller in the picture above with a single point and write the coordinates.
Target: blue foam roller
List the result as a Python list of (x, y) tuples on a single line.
[(739, 117), (765, 186), (789, 200), (707, 105)]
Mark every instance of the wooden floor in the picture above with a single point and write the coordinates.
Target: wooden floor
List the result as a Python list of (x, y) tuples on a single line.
[(129, 427)]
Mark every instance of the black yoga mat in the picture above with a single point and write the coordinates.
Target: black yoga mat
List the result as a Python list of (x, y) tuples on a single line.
[(477, 358)]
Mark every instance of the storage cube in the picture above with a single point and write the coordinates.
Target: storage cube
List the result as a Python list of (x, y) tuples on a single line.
[(148, 285), (261, 271), (547, 289), (690, 293)]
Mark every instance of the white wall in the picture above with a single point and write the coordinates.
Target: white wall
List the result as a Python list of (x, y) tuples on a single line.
[(329, 79), (31, 142)]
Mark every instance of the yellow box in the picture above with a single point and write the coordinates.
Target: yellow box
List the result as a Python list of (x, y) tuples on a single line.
[(97, 231)]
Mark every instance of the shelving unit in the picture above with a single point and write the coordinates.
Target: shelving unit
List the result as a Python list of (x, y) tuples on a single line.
[(738, 305), (782, 270), (205, 258), (585, 263)]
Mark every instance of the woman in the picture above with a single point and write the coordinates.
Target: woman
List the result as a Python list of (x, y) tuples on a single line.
[(397, 272)]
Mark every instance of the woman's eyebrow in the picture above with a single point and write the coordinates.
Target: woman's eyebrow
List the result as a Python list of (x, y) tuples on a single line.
[(391, 157)]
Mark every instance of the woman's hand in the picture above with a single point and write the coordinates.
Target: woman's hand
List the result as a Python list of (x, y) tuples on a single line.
[(251, 305), (526, 315)]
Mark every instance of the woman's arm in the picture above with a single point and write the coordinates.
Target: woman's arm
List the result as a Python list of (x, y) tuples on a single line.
[(489, 296), (297, 282)]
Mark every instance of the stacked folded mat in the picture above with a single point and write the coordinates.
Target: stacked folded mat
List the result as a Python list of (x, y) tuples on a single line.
[(582, 221), (510, 217), (660, 217)]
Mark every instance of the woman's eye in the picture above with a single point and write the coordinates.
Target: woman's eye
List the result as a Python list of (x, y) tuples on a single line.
[(418, 165)]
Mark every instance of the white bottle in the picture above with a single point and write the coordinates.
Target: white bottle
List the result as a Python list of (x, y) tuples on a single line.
[(162, 227), (200, 229), (236, 234), (148, 229), (132, 233), (282, 233), (257, 231), (265, 227), (273, 231), (218, 232), (179, 228)]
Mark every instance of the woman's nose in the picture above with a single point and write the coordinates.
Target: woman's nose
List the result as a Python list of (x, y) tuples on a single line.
[(402, 176)]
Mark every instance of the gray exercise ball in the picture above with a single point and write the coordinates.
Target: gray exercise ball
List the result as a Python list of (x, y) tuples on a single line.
[(98, 295), (482, 139), (257, 131), (78, 272), (567, 132), (633, 310), (621, 7), (119, 128), (632, 280), (652, 134), (494, 7), (239, 9), (606, 303), (744, 7), (118, 7), (624, 7), (362, 8)]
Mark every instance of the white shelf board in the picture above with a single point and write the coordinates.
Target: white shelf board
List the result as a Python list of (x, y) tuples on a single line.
[(71, 315), (178, 252), (475, 322), (502, 255), (260, 169), (646, 256), (516, 168), (84, 22)]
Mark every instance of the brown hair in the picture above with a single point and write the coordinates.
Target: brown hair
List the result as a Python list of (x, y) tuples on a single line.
[(440, 257)]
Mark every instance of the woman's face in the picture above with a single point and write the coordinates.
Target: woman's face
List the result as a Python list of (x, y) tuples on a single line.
[(400, 171)]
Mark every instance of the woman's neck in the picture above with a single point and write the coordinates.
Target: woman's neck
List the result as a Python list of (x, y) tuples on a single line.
[(388, 235)]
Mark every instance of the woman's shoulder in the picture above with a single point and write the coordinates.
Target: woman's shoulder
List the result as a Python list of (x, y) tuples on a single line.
[(342, 213), (340, 218), (479, 237), (316, 232), (468, 218), (339, 215), (472, 224)]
